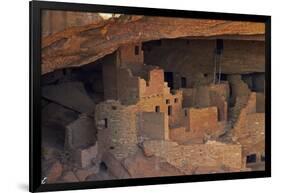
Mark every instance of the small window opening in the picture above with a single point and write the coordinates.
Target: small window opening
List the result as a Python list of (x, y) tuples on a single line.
[(167, 101), (147, 83), (176, 100), (185, 112), (103, 166), (218, 115), (183, 82), (105, 123), (157, 109)]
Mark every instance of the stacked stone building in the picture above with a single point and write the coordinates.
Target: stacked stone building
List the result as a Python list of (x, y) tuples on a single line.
[(187, 127)]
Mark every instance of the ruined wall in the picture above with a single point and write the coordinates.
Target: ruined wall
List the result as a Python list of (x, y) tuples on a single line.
[(131, 56), (127, 87), (249, 129), (153, 125), (200, 96), (117, 130), (203, 121), (170, 104), (219, 95), (198, 125), (189, 157), (188, 97), (154, 85), (221, 103), (134, 80), (238, 88), (221, 89)]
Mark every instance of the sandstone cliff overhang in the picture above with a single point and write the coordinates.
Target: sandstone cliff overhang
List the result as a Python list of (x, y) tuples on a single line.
[(78, 46)]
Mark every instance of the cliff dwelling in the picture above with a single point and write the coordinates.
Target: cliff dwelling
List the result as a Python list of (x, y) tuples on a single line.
[(122, 99)]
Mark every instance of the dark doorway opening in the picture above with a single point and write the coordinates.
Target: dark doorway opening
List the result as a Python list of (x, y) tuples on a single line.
[(219, 115), (169, 110), (258, 80), (251, 158), (103, 166), (183, 82), (169, 78), (105, 123), (222, 77), (219, 46)]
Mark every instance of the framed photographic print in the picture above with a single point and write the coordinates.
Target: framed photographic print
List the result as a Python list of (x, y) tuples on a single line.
[(123, 96)]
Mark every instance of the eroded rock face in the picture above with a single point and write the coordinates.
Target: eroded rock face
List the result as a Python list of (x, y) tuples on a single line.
[(81, 45), (71, 95), (57, 20)]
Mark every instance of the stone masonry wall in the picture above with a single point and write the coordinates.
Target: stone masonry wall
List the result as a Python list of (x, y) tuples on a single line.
[(238, 87), (153, 125), (208, 95), (185, 57), (249, 129), (117, 130), (164, 102), (154, 85), (127, 87), (203, 121), (221, 103), (198, 126), (189, 157), (131, 56)]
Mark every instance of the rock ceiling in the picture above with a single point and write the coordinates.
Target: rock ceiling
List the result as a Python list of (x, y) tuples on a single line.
[(78, 46)]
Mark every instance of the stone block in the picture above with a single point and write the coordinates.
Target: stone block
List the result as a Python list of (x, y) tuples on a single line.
[(85, 156), (81, 133), (153, 125), (203, 120)]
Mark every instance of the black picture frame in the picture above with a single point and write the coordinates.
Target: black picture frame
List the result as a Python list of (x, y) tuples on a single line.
[(35, 95)]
